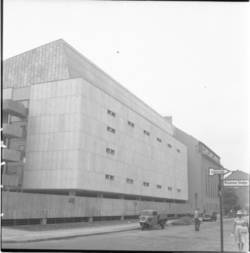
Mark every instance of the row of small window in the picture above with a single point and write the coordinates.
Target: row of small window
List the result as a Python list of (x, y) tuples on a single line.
[(131, 181), (112, 130), (111, 151)]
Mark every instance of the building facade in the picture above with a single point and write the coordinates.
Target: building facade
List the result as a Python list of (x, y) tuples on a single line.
[(13, 143), (202, 188), (238, 181), (87, 135)]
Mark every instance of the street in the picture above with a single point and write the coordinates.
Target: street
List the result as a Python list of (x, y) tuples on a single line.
[(172, 238)]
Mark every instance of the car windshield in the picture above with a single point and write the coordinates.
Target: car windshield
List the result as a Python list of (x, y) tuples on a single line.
[(147, 212)]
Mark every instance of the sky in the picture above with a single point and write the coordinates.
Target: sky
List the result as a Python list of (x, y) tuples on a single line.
[(189, 60)]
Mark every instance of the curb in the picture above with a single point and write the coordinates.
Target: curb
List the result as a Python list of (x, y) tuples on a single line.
[(68, 236)]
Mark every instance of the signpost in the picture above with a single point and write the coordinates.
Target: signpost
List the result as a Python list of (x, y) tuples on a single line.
[(220, 172)]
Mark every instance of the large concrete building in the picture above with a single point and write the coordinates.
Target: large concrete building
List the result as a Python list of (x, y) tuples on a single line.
[(90, 142)]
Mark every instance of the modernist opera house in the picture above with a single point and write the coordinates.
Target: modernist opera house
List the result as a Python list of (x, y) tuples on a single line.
[(89, 142)]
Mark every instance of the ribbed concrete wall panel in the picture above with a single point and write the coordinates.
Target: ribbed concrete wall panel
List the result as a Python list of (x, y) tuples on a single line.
[(57, 61), (77, 124), (7, 93), (21, 93), (27, 205), (42, 64), (65, 179), (78, 65)]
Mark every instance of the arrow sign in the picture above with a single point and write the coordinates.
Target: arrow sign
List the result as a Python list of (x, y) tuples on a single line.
[(213, 171)]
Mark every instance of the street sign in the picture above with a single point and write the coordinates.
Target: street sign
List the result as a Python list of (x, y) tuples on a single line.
[(236, 182), (213, 171)]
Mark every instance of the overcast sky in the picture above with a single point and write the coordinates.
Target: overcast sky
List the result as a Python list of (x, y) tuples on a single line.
[(185, 59)]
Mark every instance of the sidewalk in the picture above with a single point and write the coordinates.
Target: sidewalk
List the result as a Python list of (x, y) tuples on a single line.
[(17, 235), (12, 235)]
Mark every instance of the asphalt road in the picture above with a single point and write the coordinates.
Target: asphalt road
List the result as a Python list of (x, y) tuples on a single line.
[(172, 238)]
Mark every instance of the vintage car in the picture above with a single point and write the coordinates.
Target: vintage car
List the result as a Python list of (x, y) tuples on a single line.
[(210, 217), (149, 218)]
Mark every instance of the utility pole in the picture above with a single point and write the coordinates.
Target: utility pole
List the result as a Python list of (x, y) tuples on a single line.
[(220, 188), (220, 172)]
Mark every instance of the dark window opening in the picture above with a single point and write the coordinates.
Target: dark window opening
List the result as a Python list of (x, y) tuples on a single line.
[(109, 177), (131, 124), (111, 113), (110, 129), (110, 151), (129, 180)]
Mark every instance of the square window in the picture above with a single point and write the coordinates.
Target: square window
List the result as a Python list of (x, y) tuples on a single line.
[(110, 129), (111, 113), (130, 180), (110, 151), (109, 177), (131, 124)]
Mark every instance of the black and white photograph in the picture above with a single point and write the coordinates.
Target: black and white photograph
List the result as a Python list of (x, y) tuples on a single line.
[(125, 126)]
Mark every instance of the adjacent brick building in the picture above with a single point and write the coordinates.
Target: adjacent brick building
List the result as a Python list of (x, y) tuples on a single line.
[(202, 188)]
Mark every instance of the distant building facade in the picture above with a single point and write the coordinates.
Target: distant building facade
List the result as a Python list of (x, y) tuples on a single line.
[(239, 182), (202, 188), (89, 136)]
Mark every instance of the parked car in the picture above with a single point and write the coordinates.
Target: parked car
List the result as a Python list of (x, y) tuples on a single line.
[(210, 217), (150, 218)]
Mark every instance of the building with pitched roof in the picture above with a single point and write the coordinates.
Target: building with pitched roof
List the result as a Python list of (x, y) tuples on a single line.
[(239, 182)]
